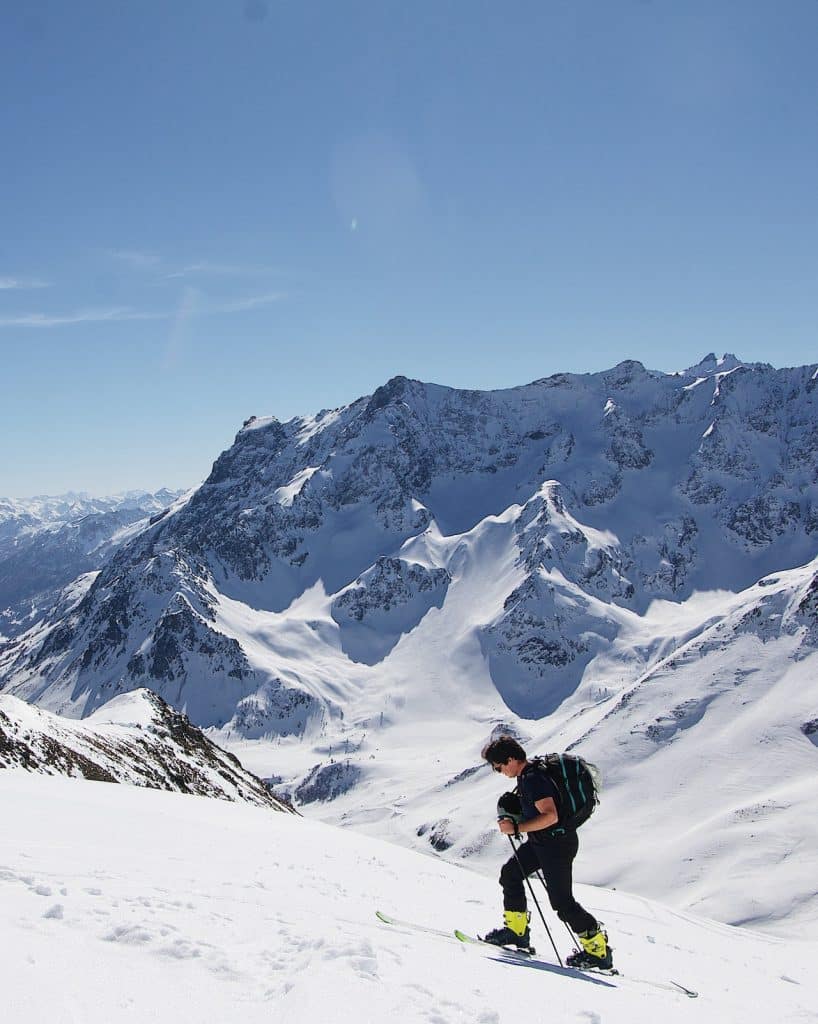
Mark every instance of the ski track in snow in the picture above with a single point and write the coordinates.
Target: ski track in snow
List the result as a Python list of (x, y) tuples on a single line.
[(121, 904)]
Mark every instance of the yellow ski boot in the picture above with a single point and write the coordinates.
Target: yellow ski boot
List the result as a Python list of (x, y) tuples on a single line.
[(595, 952), (515, 933)]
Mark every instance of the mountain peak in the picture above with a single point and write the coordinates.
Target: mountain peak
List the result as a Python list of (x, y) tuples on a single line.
[(389, 393), (712, 363)]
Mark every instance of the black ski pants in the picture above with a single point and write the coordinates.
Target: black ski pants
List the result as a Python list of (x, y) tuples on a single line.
[(555, 858)]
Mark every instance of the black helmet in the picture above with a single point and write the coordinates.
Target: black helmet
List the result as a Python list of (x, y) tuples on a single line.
[(508, 806)]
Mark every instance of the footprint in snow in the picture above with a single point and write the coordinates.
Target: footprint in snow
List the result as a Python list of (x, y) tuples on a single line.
[(129, 935), (226, 971), (360, 956), (7, 875), (181, 949), (365, 966), (275, 962)]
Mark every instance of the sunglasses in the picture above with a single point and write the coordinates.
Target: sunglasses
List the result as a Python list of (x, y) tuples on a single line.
[(497, 767)]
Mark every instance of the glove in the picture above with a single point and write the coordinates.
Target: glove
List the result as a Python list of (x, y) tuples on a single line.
[(509, 807)]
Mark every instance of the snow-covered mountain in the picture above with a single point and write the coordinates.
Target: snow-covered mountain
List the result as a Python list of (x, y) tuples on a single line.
[(121, 905), (47, 542), (135, 738), (356, 601)]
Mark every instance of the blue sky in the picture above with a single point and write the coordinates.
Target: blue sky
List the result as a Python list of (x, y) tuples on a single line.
[(219, 208)]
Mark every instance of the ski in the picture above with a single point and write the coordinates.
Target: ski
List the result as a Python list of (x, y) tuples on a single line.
[(511, 955), (411, 925), (504, 955), (475, 940), (681, 988), (668, 986), (426, 930)]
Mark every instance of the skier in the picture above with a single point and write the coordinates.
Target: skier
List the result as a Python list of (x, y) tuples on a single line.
[(549, 848)]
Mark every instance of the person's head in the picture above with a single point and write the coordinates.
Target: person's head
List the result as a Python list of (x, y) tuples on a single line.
[(505, 755)]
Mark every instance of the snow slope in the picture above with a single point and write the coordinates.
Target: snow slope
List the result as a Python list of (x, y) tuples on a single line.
[(121, 904)]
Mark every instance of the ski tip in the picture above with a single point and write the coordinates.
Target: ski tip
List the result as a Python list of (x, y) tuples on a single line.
[(464, 937), (383, 917)]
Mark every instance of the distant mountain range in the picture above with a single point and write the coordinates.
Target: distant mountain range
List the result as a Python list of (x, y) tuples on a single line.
[(623, 561), (47, 542)]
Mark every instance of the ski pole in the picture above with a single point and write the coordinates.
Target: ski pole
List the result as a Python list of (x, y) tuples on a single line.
[(573, 936), (536, 902), (568, 928), (571, 933)]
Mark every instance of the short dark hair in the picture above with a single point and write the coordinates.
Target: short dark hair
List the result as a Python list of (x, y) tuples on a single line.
[(501, 749)]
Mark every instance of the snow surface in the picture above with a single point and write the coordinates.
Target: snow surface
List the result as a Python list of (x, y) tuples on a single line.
[(121, 904)]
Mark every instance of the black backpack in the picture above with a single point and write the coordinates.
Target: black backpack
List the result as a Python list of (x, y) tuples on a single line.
[(578, 784)]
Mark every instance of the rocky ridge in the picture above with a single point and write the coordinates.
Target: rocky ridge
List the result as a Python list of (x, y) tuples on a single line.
[(136, 739)]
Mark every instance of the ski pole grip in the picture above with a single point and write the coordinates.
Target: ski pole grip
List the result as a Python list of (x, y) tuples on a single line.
[(513, 820)]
